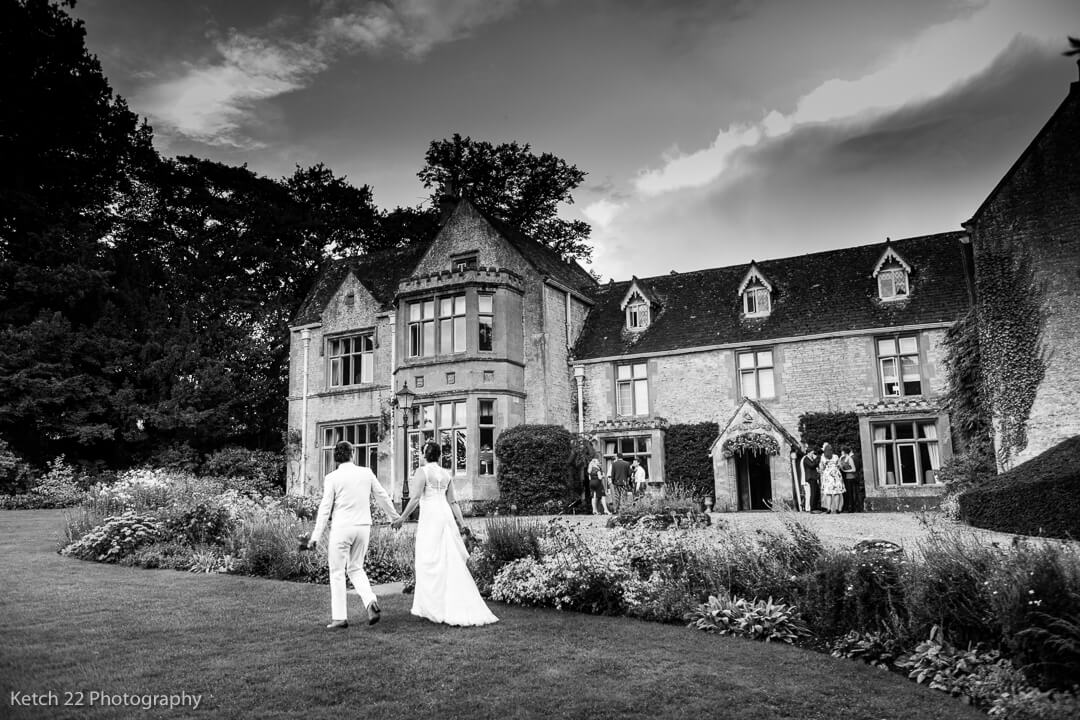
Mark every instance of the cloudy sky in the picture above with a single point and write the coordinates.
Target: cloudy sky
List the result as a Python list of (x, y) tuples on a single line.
[(712, 132)]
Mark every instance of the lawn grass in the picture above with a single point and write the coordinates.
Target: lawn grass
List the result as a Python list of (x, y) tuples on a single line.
[(257, 648)]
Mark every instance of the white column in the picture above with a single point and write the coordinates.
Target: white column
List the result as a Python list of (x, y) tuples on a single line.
[(579, 376), (305, 336)]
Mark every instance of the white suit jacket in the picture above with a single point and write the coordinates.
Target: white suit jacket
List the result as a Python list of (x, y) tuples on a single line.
[(347, 498)]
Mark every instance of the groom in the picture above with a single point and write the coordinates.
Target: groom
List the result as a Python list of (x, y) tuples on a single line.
[(347, 499)]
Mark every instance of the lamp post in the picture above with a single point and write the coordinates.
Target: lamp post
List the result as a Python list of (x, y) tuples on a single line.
[(404, 399)]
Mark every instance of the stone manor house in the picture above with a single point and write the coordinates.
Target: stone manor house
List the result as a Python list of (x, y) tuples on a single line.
[(490, 330)]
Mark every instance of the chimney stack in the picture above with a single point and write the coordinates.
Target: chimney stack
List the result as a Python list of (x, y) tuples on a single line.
[(448, 201)]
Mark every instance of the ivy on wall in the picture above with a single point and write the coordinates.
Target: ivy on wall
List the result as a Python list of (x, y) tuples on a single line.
[(1010, 323), (965, 396), (686, 456)]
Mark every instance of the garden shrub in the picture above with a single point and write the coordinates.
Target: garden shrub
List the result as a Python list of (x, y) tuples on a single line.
[(758, 620), (859, 589), (117, 537), (534, 467), (201, 524), (978, 675), (950, 588), (505, 539), (16, 475), (253, 472), (963, 472), (267, 547), (823, 596), (1037, 601), (59, 486), (161, 555), (177, 457), (879, 649), (1034, 704), (389, 557), (687, 465), (1039, 497)]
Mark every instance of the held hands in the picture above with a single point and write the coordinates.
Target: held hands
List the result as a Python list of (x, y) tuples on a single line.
[(397, 522)]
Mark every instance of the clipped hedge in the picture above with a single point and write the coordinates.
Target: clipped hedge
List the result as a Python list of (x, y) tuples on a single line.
[(534, 466), (1039, 497), (686, 456)]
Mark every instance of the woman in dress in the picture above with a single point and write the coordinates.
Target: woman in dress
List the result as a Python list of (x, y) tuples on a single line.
[(832, 479), (445, 591), (596, 488)]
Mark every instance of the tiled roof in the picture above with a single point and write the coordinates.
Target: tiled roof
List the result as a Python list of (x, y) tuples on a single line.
[(544, 259), (813, 294), (379, 272)]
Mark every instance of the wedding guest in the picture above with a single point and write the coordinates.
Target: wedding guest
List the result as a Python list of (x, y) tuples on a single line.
[(640, 481), (847, 466), (596, 487), (620, 476), (832, 479), (809, 466)]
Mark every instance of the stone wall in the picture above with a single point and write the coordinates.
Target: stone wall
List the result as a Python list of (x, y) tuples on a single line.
[(1036, 209)]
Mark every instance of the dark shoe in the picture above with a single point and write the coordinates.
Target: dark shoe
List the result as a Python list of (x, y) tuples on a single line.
[(338, 625), (373, 613)]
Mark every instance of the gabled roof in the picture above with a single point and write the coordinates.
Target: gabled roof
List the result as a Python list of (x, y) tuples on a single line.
[(763, 412), (890, 255), (640, 288), (813, 294), (546, 261), (379, 272), (754, 273), (1050, 127)]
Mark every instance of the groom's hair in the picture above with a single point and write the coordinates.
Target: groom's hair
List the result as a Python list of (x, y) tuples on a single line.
[(432, 451), (343, 451)]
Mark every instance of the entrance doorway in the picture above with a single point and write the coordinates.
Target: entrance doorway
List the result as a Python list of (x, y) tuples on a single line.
[(754, 480)]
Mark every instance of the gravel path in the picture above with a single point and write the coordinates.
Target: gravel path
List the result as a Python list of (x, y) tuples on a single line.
[(843, 530)]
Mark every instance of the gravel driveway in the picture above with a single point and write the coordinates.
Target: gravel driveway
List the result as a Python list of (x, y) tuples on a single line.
[(843, 530)]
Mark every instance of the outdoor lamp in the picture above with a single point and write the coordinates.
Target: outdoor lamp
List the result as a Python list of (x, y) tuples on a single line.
[(404, 399)]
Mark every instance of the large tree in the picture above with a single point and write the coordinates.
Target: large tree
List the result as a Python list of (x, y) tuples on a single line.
[(67, 143), (514, 185)]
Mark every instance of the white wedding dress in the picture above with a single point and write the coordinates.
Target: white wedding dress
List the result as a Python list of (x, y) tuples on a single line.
[(445, 591)]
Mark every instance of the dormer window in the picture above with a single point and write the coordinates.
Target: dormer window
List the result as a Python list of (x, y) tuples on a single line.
[(637, 314), (756, 301), (639, 306), (892, 275), (892, 284), (756, 293)]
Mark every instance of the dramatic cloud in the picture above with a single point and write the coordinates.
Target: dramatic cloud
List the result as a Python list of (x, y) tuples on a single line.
[(214, 100), (412, 27), (920, 169), (933, 62), (601, 212)]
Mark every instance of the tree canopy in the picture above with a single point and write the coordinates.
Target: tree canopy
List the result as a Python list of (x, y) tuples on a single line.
[(514, 185)]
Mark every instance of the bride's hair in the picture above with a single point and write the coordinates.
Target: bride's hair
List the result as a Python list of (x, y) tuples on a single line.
[(432, 451)]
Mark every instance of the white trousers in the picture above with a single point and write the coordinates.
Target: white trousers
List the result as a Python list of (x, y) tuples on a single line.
[(345, 554)]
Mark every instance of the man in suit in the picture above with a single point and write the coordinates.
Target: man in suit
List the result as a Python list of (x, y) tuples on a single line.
[(346, 505), (812, 478), (620, 476)]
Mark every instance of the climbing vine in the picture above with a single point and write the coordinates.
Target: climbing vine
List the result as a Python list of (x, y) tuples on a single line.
[(1010, 322), (965, 395)]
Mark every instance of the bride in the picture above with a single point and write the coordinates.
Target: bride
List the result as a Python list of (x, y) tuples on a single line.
[(445, 591)]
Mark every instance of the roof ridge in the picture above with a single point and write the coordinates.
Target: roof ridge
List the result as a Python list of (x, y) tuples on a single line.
[(950, 234)]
